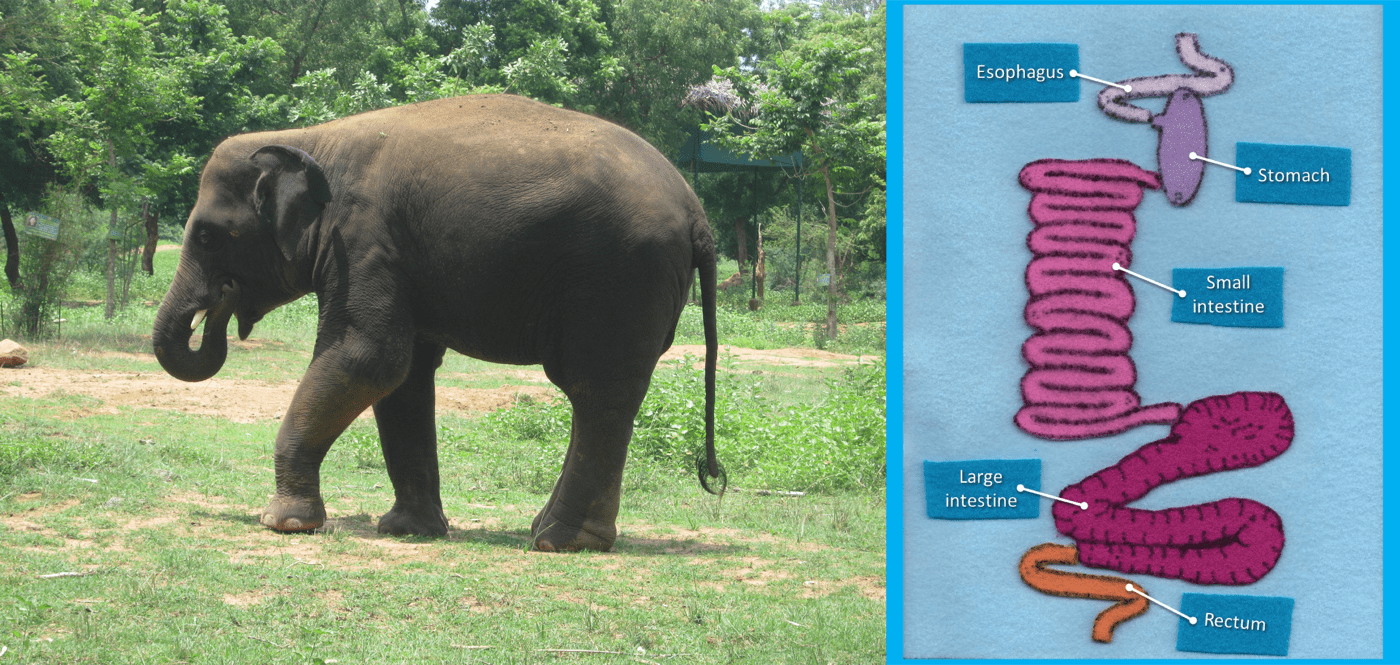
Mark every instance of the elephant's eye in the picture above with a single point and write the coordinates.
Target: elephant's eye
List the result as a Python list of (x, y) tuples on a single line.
[(210, 241)]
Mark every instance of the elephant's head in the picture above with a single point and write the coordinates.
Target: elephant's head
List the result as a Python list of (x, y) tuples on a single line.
[(241, 252)]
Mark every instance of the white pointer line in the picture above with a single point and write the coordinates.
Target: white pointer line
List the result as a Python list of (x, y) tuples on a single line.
[(1169, 607), (1197, 157), (1082, 506), (1179, 293), (1125, 88)]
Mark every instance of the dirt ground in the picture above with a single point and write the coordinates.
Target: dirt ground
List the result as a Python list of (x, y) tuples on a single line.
[(247, 401)]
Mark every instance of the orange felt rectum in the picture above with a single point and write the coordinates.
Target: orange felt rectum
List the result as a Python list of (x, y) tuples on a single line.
[(1079, 585)]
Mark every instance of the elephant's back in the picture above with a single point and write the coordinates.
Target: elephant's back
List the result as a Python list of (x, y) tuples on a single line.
[(489, 123)]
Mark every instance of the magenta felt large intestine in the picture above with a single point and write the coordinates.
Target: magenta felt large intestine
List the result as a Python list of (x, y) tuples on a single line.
[(1231, 541), (1080, 384)]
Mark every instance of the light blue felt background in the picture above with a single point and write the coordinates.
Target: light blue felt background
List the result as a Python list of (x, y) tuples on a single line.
[(1304, 76)]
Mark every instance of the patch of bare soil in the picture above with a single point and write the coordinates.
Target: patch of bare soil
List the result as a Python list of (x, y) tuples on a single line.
[(247, 401), (789, 357), (31, 519), (238, 400)]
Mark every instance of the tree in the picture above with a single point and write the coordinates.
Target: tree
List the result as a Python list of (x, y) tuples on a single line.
[(31, 69), (325, 34), (125, 90), (663, 47), (21, 92), (226, 74), (808, 98), (543, 49)]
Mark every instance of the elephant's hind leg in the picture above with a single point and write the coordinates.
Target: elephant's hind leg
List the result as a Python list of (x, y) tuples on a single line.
[(408, 436), (582, 512)]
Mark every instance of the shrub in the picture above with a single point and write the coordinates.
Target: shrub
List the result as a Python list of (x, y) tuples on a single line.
[(835, 443)]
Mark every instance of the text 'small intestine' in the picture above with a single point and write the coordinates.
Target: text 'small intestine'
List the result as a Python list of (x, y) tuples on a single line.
[(1080, 381)]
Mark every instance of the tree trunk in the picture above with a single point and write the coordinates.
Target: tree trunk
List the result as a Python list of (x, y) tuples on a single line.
[(830, 255), (11, 246), (128, 270), (111, 244), (741, 242), (760, 272), (148, 256)]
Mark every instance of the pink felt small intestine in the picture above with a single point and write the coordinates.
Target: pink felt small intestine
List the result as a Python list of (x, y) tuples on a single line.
[(1080, 384)]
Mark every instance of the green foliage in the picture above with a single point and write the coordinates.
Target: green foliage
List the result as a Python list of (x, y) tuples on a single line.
[(122, 100), (125, 88), (662, 48), (48, 266), (545, 49), (320, 98), (834, 443), (534, 420), (814, 96), (338, 35)]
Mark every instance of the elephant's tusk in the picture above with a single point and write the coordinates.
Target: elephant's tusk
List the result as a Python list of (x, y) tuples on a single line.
[(198, 317)]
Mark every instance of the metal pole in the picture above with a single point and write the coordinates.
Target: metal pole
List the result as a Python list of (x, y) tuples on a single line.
[(753, 217), (797, 288)]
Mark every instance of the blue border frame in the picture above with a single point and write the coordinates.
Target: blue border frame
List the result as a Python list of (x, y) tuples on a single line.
[(894, 340), (894, 332)]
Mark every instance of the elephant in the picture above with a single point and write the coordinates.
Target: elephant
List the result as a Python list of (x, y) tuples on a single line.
[(504, 229)]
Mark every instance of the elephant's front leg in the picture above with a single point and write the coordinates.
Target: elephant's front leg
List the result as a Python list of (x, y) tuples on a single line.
[(337, 388), (408, 436)]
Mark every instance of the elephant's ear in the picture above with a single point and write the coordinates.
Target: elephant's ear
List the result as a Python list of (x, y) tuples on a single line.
[(290, 194)]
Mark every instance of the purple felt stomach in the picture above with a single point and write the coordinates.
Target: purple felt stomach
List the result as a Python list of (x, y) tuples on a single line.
[(1182, 127)]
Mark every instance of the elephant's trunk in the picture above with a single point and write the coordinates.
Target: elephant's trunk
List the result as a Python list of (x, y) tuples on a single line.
[(175, 323)]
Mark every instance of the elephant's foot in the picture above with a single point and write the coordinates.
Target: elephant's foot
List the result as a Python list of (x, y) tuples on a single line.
[(284, 513), (420, 520), (550, 535)]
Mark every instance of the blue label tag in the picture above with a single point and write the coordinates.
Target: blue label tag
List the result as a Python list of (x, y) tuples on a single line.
[(1235, 624), (1020, 72), (982, 489), (1239, 297), (1298, 174)]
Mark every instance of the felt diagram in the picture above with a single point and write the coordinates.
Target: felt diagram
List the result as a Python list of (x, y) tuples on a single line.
[(1080, 378), (1183, 122), (1125, 365)]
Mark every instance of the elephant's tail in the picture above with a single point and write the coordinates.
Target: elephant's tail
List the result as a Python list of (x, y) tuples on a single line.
[(708, 465)]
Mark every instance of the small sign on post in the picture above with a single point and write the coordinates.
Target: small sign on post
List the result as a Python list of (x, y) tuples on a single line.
[(42, 226)]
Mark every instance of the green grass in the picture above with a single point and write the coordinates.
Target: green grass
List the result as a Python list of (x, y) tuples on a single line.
[(810, 434), (161, 507), (182, 572)]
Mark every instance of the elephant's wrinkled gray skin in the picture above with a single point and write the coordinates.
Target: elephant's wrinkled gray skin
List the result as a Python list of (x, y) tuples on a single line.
[(491, 225)]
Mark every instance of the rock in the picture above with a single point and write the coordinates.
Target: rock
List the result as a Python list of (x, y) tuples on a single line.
[(12, 354)]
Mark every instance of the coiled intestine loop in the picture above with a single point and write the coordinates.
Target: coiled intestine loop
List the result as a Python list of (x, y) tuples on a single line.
[(1080, 384), (1231, 541)]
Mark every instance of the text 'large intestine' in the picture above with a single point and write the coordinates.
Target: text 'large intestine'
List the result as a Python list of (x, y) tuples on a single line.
[(1080, 381), (1182, 123)]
